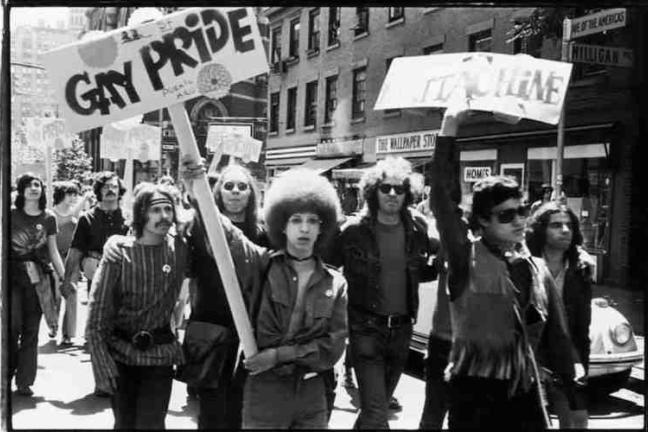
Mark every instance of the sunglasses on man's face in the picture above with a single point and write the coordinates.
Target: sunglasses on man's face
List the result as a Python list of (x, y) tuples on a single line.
[(507, 216), (228, 186), (386, 188)]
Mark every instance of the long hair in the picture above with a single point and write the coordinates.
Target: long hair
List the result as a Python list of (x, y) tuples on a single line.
[(390, 167), (536, 232), (301, 190), (62, 188), (143, 194), (21, 184), (252, 208), (104, 177), (488, 193)]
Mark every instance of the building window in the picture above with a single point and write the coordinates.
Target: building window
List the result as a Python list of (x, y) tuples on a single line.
[(433, 49), (334, 26), (313, 30), (291, 108), (388, 63), (362, 15), (395, 13), (294, 38), (310, 105), (480, 41), (276, 45), (274, 112), (331, 98), (359, 90)]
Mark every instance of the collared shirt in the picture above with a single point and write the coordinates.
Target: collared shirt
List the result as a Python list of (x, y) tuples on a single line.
[(94, 228), (136, 293)]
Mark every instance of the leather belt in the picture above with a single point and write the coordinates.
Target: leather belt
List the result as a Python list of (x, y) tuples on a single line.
[(392, 321), (145, 339)]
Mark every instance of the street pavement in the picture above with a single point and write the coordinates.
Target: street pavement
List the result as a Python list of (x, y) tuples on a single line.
[(63, 396)]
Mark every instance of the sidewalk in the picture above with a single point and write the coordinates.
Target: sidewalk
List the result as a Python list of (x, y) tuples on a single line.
[(629, 302)]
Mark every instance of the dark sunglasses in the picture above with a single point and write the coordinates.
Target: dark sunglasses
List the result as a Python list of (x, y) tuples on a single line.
[(228, 186), (507, 216), (386, 188)]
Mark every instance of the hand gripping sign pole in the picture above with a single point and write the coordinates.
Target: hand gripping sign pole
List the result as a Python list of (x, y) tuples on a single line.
[(163, 63), (215, 233)]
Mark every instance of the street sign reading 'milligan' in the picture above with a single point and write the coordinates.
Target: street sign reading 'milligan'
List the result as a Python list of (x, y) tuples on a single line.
[(602, 55)]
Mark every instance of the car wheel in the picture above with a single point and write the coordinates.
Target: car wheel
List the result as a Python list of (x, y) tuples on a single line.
[(606, 384)]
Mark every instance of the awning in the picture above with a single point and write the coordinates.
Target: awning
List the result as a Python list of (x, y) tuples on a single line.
[(351, 173), (324, 165)]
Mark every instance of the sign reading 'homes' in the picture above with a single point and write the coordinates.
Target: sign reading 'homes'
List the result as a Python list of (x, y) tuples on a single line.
[(515, 85), (137, 69), (474, 174), (424, 141)]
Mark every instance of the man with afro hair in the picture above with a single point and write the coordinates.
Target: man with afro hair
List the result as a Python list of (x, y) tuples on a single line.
[(385, 253)]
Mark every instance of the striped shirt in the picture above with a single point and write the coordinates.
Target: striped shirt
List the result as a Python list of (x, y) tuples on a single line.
[(137, 293)]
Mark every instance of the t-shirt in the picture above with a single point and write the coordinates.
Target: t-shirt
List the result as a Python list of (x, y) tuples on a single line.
[(29, 234), (94, 228), (66, 225), (392, 298)]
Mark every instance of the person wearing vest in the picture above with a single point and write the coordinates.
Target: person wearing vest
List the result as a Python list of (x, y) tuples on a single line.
[(506, 315), (132, 347), (554, 234), (385, 253)]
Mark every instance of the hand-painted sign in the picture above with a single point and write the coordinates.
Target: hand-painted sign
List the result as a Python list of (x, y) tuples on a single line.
[(517, 85), (141, 142), (474, 174), (137, 69), (423, 141), (597, 22), (48, 132), (233, 140), (602, 55)]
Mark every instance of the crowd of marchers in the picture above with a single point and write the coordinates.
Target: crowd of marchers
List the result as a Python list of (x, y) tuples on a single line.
[(510, 327)]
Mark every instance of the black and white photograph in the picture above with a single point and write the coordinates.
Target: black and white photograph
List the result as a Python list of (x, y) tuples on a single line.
[(323, 216)]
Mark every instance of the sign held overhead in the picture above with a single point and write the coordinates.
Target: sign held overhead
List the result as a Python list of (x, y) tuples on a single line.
[(598, 22), (137, 69), (515, 85)]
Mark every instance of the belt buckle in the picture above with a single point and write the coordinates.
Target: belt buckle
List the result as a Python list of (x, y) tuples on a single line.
[(142, 340)]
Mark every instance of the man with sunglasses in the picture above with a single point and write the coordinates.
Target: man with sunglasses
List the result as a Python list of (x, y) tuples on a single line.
[(385, 253), (506, 314)]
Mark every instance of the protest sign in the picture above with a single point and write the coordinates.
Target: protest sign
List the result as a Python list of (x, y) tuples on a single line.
[(140, 68), (160, 64), (234, 140), (516, 85), (42, 132), (141, 142)]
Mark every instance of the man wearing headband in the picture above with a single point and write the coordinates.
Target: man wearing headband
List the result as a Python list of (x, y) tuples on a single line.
[(506, 317), (132, 346)]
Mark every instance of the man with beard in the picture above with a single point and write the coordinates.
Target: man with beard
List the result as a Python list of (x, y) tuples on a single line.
[(132, 347), (92, 231)]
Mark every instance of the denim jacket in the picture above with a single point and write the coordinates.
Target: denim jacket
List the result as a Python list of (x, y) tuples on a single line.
[(356, 248)]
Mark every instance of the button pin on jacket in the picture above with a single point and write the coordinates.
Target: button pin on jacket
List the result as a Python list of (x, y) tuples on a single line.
[(166, 268), (329, 293)]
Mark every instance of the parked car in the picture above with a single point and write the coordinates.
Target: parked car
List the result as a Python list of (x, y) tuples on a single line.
[(614, 348)]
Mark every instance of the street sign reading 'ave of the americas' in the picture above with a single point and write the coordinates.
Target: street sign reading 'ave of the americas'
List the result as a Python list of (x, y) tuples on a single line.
[(598, 22), (137, 69), (515, 85), (602, 55)]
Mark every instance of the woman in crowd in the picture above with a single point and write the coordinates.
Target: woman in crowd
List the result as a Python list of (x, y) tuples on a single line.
[(32, 254), (554, 234)]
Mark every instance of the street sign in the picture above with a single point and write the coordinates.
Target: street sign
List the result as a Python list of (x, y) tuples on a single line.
[(598, 22), (602, 55)]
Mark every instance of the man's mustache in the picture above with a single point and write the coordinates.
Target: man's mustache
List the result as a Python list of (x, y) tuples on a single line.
[(164, 223), (110, 193)]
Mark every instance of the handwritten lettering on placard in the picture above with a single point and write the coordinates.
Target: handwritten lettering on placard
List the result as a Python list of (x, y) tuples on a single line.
[(137, 69), (521, 86)]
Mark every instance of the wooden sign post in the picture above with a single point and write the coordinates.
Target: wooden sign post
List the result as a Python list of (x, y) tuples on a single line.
[(163, 63)]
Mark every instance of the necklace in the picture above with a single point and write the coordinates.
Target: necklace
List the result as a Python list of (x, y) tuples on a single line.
[(292, 257)]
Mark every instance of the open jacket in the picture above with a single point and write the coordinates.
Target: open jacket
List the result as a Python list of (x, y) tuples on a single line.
[(356, 248), (577, 298), (269, 286)]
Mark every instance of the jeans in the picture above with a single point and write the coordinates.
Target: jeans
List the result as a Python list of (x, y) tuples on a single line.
[(70, 315), (568, 418), (25, 322), (142, 397), (221, 407), (437, 390), (273, 401), (378, 355), (483, 404)]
